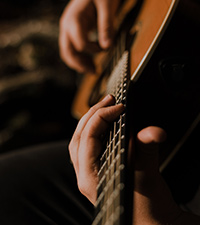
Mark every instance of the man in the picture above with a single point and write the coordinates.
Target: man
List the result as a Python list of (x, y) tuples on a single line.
[(38, 185), (78, 19)]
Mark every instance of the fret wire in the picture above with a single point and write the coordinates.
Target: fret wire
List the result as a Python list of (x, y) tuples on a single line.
[(102, 183), (106, 165), (113, 163), (115, 154), (110, 168), (115, 177), (112, 158), (120, 124), (104, 155), (118, 138), (113, 167), (108, 171), (122, 94), (114, 196), (116, 163)]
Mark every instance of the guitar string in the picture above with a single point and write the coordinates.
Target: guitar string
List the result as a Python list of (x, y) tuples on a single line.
[(119, 95), (118, 91), (111, 144), (115, 61), (111, 147), (118, 56)]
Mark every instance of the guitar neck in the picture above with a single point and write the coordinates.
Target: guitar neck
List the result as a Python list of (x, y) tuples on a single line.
[(140, 33), (111, 187)]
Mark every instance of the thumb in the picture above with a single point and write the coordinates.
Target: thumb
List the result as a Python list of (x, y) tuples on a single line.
[(153, 202), (105, 22), (147, 151)]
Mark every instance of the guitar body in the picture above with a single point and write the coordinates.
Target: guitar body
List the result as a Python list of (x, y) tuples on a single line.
[(153, 68), (149, 25), (167, 25)]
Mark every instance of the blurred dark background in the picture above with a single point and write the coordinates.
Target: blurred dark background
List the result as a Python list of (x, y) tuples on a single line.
[(36, 87)]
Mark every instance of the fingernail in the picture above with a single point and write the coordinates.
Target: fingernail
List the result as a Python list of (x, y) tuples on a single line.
[(121, 104), (108, 97), (106, 42)]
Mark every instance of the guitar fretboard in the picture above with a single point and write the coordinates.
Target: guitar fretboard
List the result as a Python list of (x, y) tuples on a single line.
[(110, 190)]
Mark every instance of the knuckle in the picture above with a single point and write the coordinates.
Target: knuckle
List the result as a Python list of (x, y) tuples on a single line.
[(78, 36), (68, 58), (93, 109), (62, 22), (70, 146), (107, 29), (100, 112), (85, 133), (81, 45), (73, 150), (82, 185), (62, 56)]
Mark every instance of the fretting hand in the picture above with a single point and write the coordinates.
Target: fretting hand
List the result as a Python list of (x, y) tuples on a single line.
[(153, 203)]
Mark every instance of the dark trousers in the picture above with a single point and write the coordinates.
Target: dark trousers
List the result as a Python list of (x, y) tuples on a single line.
[(38, 186)]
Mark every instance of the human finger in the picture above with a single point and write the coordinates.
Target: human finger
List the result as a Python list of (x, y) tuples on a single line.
[(72, 53), (151, 134), (148, 141), (152, 198), (74, 44), (91, 147), (79, 61), (105, 22), (107, 101), (146, 159), (92, 133), (100, 120), (75, 141), (79, 38)]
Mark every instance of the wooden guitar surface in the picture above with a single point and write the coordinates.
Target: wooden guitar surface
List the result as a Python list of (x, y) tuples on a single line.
[(148, 26), (157, 76)]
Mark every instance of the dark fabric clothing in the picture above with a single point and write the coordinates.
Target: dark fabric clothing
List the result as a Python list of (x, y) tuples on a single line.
[(38, 186)]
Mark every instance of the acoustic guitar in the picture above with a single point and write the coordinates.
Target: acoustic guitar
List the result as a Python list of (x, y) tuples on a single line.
[(153, 69)]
